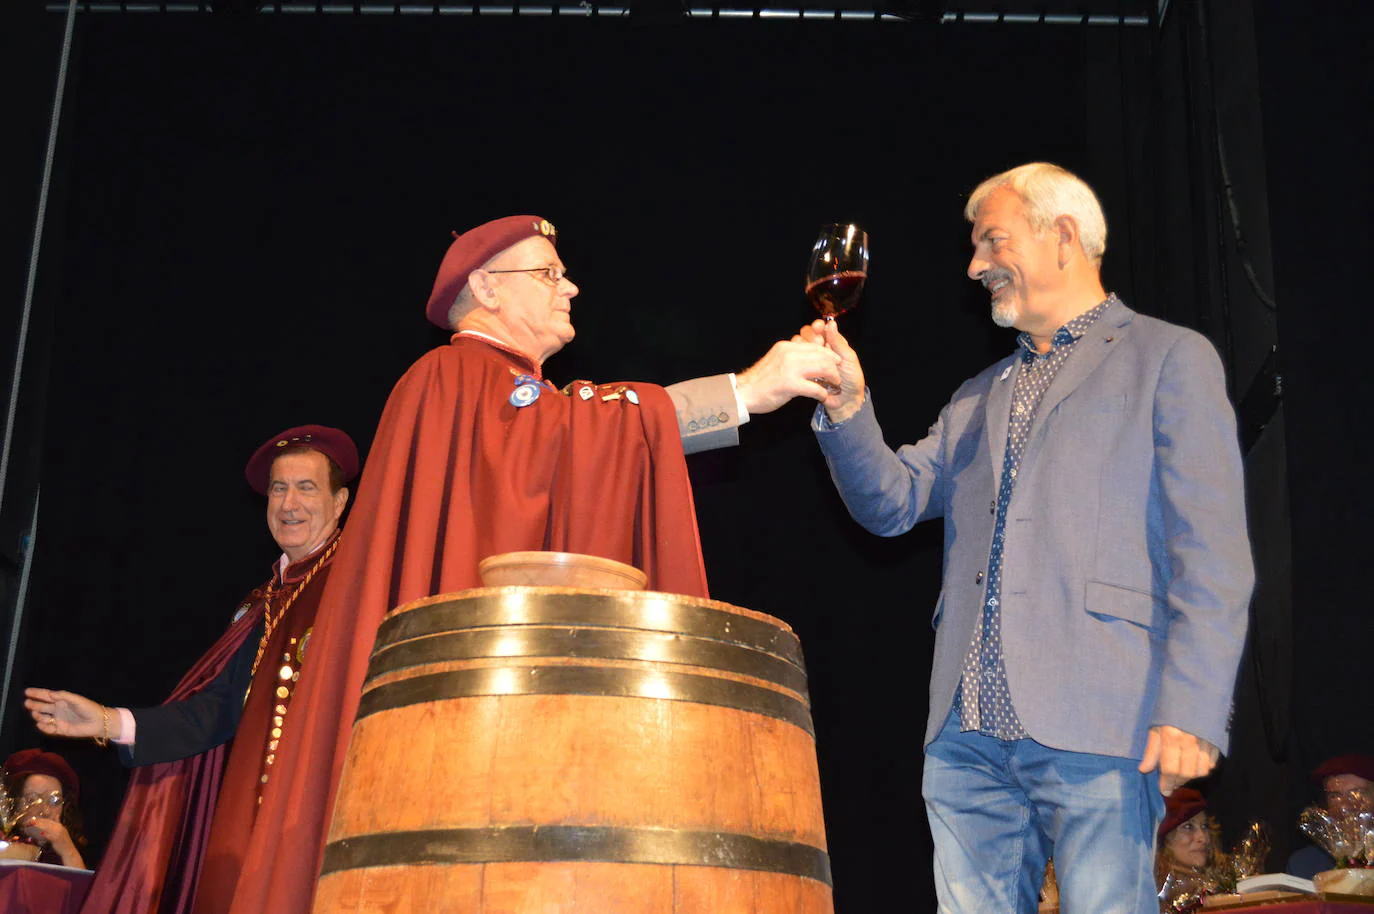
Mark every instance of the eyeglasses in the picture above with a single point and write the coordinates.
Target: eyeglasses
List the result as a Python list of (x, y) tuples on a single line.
[(552, 273), (51, 798), (1355, 796)]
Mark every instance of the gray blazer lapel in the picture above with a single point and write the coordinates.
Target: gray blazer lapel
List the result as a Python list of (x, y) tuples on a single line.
[(998, 413), (1106, 332)]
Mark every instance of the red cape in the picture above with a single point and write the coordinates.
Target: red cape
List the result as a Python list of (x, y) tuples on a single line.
[(457, 472), (180, 816), (158, 845)]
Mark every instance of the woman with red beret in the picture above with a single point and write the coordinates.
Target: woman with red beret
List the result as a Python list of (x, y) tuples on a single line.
[(1189, 839), (47, 790)]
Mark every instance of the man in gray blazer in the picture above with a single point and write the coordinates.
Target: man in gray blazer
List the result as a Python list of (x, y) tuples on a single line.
[(1096, 565)]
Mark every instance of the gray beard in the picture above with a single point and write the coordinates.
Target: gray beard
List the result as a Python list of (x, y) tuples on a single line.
[(1005, 314)]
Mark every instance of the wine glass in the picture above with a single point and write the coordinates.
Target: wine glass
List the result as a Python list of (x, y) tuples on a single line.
[(835, 278), (839, 266)]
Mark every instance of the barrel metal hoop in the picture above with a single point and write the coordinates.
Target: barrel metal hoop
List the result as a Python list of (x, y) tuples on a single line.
[(577, 843), (639, 611), (616, 682), (587, 643)]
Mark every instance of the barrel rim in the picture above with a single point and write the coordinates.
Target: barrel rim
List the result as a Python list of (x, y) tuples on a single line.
[(511, 607), (705, 602), (587, 643)]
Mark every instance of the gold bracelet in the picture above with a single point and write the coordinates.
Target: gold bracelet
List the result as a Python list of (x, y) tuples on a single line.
[(104, 738)]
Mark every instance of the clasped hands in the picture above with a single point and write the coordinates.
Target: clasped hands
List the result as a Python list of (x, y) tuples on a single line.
[(796, 368)]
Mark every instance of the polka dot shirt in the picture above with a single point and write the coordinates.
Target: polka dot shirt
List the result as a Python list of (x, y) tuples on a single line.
[(983, 700)]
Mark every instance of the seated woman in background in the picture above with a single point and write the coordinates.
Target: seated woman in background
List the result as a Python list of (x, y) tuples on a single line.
[(1189, 839), (46, 789)]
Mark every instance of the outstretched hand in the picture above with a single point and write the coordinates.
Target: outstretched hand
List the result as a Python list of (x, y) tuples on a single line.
[(60, 713), (1179, 755), (791, 368)]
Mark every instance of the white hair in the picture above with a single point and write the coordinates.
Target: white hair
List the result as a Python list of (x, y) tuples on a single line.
[(1049, 192), (462, 304)]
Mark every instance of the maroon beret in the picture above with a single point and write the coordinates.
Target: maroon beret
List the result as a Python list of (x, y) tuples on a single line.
[(472, 249), (35, 761), (1362, 766), (333, 443), (1179, 807)]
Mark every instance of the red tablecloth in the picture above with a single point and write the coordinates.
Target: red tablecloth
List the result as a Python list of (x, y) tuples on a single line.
[(37, 888)]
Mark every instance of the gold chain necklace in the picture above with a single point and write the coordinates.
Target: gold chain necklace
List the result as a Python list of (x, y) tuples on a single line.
[(271, 621)]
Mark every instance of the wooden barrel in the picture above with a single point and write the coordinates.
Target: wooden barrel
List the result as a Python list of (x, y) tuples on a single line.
[(548, 750)]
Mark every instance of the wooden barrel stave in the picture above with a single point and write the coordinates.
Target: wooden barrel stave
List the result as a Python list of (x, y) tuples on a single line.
[(600, 762)]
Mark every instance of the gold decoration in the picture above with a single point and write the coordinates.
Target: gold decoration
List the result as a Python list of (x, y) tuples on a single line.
[(272, 621)]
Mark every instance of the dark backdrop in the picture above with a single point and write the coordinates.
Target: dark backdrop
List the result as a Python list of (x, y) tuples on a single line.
[(249, 213)]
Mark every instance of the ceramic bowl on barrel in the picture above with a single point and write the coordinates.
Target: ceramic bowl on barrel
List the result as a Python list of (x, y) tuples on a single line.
[(559, 569)]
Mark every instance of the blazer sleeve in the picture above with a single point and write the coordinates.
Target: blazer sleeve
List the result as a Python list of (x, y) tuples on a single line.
[(180, 729), (1201, 495), (707, 413), (886, 492)]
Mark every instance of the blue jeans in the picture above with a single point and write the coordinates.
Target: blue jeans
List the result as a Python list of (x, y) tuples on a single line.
[(999, 808)]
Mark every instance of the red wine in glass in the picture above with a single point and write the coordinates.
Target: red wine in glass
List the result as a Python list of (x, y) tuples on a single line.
[(836, 275), (838, 269), (836, 293)]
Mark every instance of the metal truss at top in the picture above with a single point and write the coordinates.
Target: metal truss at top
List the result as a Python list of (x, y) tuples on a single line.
[(1129, 13)]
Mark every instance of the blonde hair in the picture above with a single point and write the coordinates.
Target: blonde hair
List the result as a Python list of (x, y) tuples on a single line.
[(1049, 192)]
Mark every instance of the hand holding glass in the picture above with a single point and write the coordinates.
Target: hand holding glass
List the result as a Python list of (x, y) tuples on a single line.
[(836, 275)]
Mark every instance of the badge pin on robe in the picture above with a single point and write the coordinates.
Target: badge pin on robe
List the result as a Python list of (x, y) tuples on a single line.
[(526, 391), (622, 391)]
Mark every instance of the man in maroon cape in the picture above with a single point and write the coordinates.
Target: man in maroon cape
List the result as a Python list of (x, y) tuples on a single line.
[(191, 810), (476, 454)]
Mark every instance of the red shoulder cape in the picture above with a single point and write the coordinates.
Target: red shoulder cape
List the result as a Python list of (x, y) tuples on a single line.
[(457, 472)]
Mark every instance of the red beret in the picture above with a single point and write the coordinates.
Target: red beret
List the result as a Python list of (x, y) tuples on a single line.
[(1362, 766), (35, 761), (331, 442), (472, 249), (1179, 807)]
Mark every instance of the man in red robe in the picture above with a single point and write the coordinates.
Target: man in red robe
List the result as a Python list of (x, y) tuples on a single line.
[(168, 853), (477, 454)]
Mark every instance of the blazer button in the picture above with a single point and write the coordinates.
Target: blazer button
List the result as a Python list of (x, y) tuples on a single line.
[(992, 506), (978, 578)]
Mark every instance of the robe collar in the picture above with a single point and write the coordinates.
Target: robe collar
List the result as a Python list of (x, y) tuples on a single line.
[(534, 367)]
